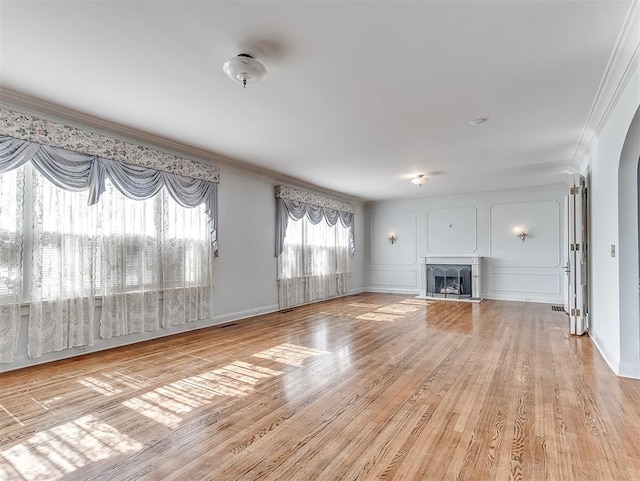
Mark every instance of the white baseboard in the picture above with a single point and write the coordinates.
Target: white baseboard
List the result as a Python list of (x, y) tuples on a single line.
[(22, 360), (612, 361), (393, 290), (524, 297), (629, 370), (497, 297), (239, 315)]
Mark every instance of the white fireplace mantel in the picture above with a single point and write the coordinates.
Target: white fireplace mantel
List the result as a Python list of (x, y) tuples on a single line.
[(474, 262)]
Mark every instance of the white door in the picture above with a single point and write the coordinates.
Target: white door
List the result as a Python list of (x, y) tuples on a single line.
[(567, 267), (577, 258)]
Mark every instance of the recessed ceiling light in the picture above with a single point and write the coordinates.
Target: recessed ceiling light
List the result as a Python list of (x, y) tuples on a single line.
[(420, 179), (479, 121)]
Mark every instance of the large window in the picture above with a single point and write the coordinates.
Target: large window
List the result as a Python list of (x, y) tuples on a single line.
[(314, 250), (87, 222), (314, 263), (11, 194), (79, 246), (148, 261)]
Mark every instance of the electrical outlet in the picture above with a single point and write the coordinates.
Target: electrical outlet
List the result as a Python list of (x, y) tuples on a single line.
[(81, 349)]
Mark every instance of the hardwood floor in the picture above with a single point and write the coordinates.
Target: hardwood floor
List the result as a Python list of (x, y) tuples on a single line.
[(367, 387)]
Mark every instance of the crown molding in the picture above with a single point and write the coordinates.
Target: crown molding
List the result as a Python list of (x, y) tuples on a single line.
[(622, 64), (72, 118)]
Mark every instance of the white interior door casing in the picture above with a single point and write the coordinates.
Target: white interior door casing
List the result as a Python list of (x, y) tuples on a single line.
[(577, 259)]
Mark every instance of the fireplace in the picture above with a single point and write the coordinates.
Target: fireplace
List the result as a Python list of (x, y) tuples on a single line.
[(455, 278)]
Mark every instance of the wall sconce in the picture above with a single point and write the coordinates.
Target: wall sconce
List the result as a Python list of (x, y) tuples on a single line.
[(392, 238), (521, 233)]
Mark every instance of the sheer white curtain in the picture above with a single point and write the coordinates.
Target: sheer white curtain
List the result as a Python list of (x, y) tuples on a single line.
[(11, 247), (63, 280), (153, 250), (60, 255), (187, 287), (130, 251), (150, 261), (314, 263)]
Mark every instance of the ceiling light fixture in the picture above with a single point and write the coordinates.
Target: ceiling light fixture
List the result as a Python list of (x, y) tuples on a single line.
[(479, 121), (420, 179), (244, 69)]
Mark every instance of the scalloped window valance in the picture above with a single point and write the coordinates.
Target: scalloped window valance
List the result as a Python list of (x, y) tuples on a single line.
[(294, 203), (75, 160), (46, 132), (301, 195)]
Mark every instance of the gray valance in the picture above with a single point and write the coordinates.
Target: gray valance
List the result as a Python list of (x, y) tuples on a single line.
[(76, 171), (295, 203), (46, 132)]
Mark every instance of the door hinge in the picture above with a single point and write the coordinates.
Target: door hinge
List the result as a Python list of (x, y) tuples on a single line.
[(574, 190), (575, 312), (575, 247)]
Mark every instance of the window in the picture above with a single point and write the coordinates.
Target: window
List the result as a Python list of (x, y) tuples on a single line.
[(150, 261), (314, 263), (11, 193), (70, 240), (147, 260), (314, 250)]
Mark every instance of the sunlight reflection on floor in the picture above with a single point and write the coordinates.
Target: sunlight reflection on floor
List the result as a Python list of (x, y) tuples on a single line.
[(56, 452), (397, 309), (291, 354), (101, 387), (167, 404), (113, 382), (361, 304), (415, 302), (378, 316)]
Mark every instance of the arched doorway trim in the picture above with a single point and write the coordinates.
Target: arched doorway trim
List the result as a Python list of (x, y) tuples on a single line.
[(628, 259)]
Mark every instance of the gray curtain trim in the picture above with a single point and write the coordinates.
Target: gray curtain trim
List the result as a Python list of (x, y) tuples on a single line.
[(301, 195), (286, 209), (45, 132), (76, 172)]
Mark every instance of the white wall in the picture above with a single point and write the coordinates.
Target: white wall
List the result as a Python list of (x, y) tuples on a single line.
[(244, 273), (479, 224), (614, 318)]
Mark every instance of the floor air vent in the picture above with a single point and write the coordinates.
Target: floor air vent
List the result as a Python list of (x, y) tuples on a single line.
[(557, 308), (228, 325)]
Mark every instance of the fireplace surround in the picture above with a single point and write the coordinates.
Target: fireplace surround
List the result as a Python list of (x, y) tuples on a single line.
[(450, 278)]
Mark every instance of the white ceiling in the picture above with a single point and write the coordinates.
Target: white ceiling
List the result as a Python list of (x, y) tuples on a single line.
[(359, 95)]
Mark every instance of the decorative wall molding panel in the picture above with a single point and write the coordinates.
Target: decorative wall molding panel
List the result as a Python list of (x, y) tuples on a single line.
[(403, 224), (541, 219), (394, 278), (483, 224), (452, 230), (524, 282)]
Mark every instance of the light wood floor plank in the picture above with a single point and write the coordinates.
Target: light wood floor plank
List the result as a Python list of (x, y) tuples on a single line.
[(367, 387)]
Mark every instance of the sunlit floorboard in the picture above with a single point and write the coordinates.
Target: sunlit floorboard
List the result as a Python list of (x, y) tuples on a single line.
[(366, 387)]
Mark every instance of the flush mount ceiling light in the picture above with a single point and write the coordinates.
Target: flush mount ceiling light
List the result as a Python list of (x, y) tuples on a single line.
[(420, 179), (479, 121), (244, 69)]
